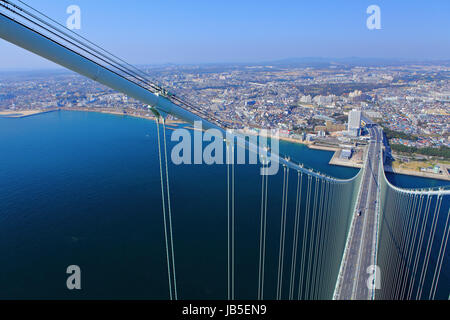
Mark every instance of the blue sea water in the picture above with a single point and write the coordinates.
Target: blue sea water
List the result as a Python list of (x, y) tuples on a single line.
[(82, 188)]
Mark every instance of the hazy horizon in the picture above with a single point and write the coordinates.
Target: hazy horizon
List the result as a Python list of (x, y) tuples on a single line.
[(376, 61)]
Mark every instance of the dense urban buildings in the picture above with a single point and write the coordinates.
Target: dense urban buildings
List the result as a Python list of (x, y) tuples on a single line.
[(301, 100)]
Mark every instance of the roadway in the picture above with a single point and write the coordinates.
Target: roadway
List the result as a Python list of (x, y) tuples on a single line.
[(360, 253)]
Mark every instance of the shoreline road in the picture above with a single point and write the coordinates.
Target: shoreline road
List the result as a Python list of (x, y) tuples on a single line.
[(360, 254)]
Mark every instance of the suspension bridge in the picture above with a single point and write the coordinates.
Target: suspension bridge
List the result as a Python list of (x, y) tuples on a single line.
[(341, 228)]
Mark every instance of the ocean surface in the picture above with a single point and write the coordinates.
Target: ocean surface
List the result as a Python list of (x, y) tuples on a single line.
[(82, 188)]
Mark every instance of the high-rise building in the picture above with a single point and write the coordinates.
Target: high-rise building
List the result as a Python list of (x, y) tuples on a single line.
[(354, 122), (306, 99)]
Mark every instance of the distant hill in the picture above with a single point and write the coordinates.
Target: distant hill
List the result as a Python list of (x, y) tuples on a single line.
[(351, 61)]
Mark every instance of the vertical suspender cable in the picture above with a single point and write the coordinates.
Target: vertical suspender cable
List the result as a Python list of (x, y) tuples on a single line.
[(410, 244), (169, 211), (437, 209), (282, 231), (413, 244), (393, 246), (232, 226), (322, 242), (262, 235), (169, 272), (440, 259), (330, 234), (399, 232), (414, 247), (406, 247), (295, 239), (301, 293), (406, 220), (261, 228), (419, 245), (228, 224), (312, 236), (230, 218), (317, 239)]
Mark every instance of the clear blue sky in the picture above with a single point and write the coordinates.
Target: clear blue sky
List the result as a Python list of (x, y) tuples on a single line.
[(182, 31)]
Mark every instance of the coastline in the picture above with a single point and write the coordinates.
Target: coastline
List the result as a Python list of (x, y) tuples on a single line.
[(333, 161), (24, 113), (429, 175), (117, 113)]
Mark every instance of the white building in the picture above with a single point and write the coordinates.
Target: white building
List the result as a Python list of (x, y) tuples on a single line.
[(355, 94), (346, 153), (323, 100), (306, 99), (354, 122)]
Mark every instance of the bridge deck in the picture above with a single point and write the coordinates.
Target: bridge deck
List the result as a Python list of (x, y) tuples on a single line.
[(362, 242)]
